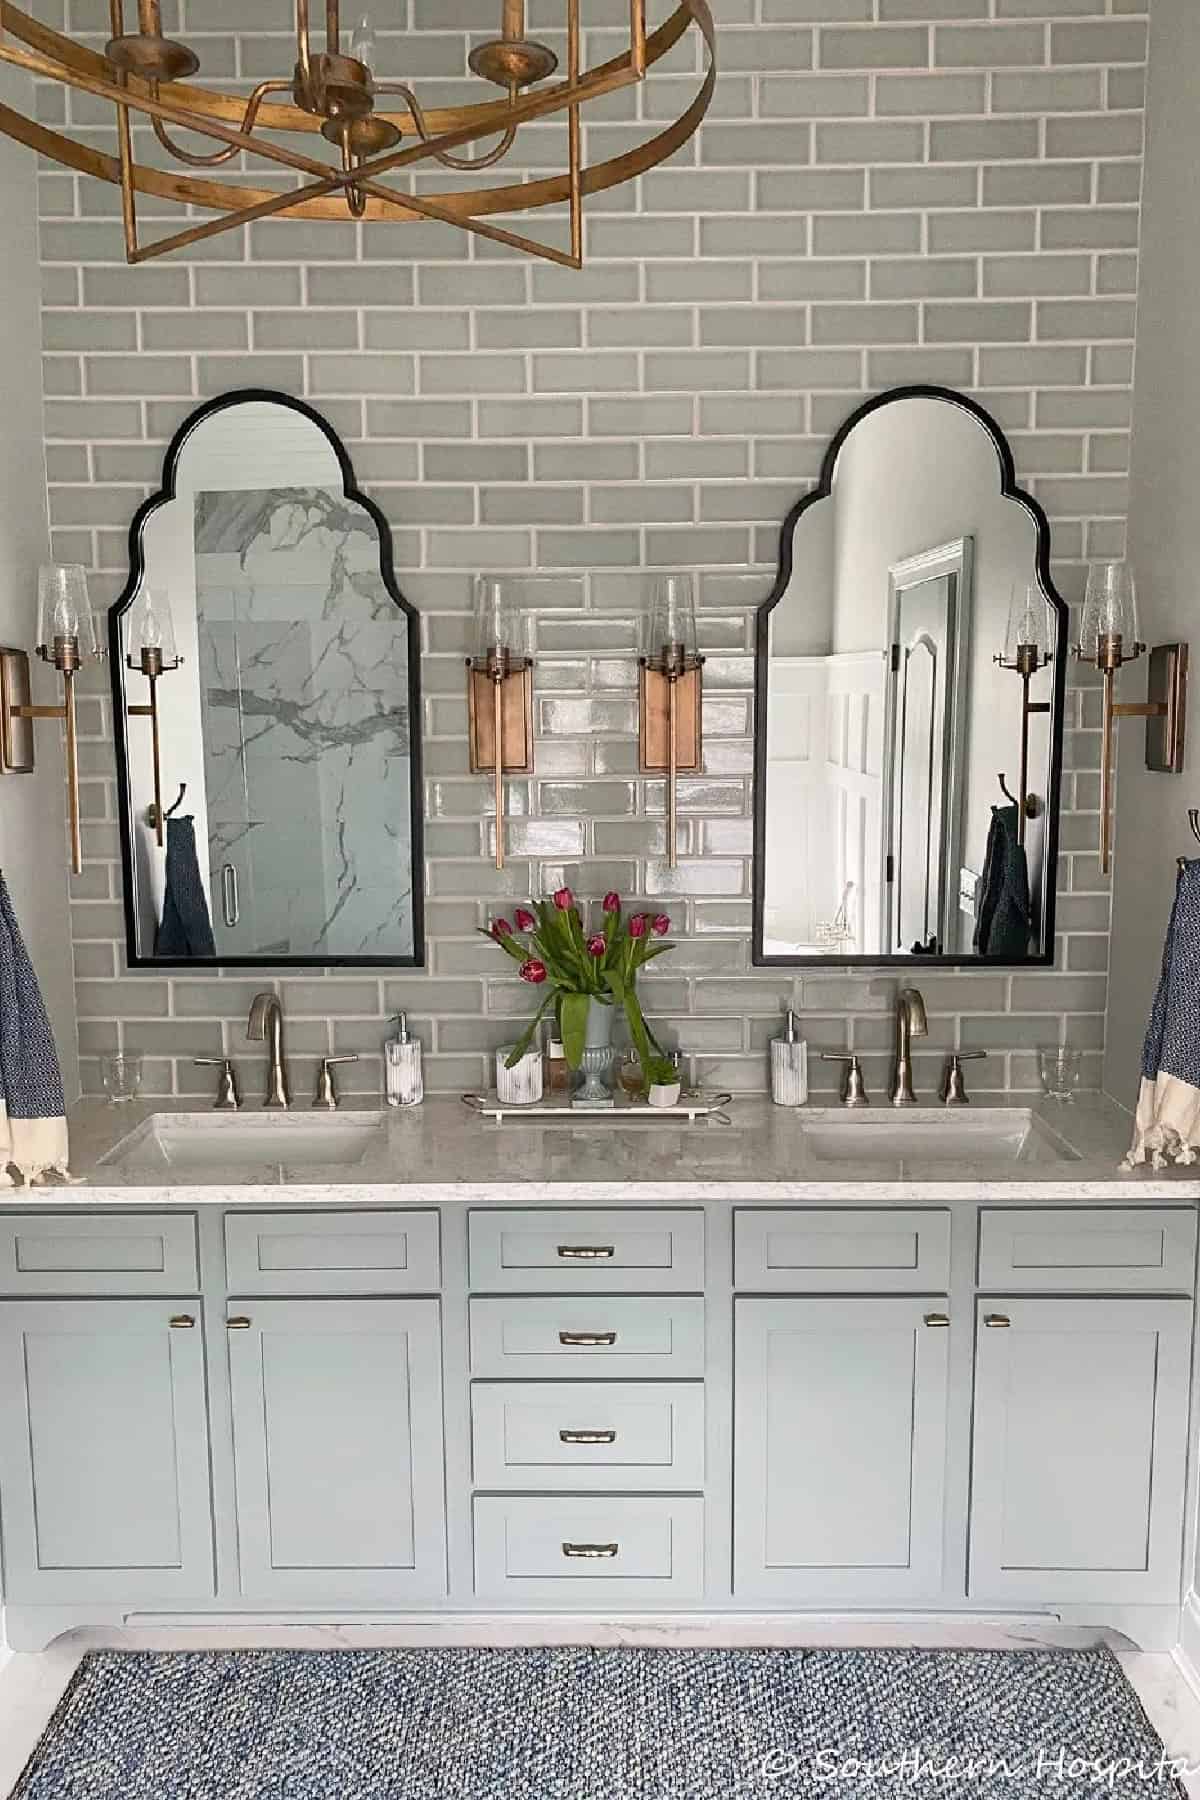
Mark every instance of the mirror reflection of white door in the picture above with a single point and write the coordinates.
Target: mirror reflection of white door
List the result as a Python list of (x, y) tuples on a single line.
[(930, 612)]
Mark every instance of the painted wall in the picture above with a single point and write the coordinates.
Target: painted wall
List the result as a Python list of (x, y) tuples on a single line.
[(1164, 534), (32, 807), (949, 197)]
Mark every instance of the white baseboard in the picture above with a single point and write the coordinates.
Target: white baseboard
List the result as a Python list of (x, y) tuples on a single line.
[(1187, 1651)]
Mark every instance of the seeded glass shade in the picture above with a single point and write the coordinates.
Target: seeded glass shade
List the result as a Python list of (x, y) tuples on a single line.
[(1110, 612), (502, 621), (1028, 623), (669, 639), (63, 608), (151, 624)]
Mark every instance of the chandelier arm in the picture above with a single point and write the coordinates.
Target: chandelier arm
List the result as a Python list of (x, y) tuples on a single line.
[(443, 156), (249, 119)]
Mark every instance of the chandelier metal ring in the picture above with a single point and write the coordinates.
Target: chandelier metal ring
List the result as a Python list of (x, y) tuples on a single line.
[(335, 96)]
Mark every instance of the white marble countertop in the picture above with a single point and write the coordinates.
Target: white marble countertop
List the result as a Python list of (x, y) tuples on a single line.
[(441, 1152)]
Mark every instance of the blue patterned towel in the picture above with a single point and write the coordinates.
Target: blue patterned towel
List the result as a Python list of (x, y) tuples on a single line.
[(33, 1127), (1167, 1127)]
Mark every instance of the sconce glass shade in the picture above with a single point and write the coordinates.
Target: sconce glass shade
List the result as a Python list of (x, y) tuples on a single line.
[(1029, 637), (669, 643), (151, 626), (1110, 634), (503, 625), (64, 612)]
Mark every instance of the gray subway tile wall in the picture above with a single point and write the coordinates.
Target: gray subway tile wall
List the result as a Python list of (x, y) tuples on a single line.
[(886, 191)]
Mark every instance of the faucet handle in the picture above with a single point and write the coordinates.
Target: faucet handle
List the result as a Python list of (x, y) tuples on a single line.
[(954, 1087), (326, 1095), (228, 1098), (854, 1088)]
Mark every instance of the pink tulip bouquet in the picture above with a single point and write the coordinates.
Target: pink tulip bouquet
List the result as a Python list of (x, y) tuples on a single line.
[(554, 949)]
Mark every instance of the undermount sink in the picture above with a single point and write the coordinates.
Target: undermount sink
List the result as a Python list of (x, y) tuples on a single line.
[(976, 1136), (226, 1140)]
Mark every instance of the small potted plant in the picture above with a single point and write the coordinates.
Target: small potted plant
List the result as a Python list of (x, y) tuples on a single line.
[(662, 1082), (588, 976)]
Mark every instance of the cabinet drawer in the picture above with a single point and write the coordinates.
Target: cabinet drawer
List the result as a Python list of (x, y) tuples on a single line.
[(332, 1253), (568, 1336), (590, 1434), (638, 1251), (1068, 1250), (593, 1549), (837, 1251), (117, 1253)]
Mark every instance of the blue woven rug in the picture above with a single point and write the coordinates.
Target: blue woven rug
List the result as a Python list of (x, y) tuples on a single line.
[(580, 1724)]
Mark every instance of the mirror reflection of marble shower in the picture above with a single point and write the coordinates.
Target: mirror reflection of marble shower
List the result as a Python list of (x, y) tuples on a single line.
[(290, 720)]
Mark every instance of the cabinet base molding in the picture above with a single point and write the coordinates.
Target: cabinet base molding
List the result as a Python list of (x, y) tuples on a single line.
[(1187, 1650), (35, 1628)]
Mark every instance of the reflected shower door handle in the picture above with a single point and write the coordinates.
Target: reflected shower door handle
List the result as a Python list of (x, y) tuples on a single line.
[(229, 894)]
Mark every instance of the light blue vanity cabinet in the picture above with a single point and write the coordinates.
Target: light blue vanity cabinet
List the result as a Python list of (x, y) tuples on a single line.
[(839, 1448), (1080, 1449), (339, 1458), (104, 1453)]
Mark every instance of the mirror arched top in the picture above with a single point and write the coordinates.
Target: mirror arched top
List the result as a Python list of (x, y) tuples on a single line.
[(909, 686), (269, 775)]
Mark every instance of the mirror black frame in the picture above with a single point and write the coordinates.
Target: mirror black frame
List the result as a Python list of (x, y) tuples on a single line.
[(123, 603), (1009, 490)]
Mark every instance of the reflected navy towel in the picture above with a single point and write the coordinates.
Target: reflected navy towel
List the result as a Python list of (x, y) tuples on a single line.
[(1167, 1127), (186, 929), (33, 1128)]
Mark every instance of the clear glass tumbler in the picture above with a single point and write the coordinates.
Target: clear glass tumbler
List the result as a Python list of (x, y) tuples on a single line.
[(1060, 1070), (121, 1074)]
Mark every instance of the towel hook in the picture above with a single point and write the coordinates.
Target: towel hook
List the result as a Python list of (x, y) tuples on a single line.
[(1028, 804), (152, 810), (1194, 826)]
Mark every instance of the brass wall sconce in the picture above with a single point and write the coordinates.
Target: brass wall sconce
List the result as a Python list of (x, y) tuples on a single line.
[(670, 684), (152, 636), (66, 638), (1110, 638), (1027, 648), (500, 690)]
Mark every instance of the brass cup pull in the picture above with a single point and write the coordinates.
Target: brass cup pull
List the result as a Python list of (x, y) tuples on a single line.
[(588, 1339), (586, 1252), (237, 1324), (997, 1321), (587, 1437), (939, 1320), (592, 1552), (183, 1322)]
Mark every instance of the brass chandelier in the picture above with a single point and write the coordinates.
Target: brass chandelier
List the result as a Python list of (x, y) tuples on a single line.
[(334, 94)]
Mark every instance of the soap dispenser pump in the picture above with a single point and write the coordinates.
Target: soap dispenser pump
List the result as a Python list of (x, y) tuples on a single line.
[(403, 1080), (789, 1065)]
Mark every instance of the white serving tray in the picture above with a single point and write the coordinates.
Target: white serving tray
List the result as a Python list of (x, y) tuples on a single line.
[(692, 1104)]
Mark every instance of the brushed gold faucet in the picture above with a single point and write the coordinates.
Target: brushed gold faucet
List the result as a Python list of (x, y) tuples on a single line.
[(911, 1022), (266, 1023)]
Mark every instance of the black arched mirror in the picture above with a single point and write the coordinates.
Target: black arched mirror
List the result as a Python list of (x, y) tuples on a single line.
[(266, 700), (910, 674)]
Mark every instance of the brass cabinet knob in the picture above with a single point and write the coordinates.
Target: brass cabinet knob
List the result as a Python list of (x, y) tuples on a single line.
[(587, 1252), (237, 1324), (937, 1320), (587, 1437), (182, 1322), (997, 1321), (588, 1339), (591, 1551)]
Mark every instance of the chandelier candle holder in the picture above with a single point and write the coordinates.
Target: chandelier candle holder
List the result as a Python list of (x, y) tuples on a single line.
[(66, 639), (1109, 638), (500, 690), (670, 738), (1028, 647), (152, 634), (334, 94)]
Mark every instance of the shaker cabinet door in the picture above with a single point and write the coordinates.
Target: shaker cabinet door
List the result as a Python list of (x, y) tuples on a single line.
[(1080, 1449), (338, 1450), (839, 1448), (104, 1452)]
